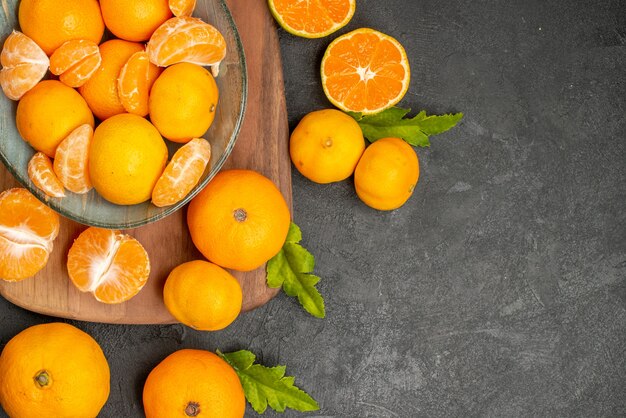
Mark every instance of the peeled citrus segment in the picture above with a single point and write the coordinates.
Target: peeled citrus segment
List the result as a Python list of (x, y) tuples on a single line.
[(71, 160), (186, 39), (27, 231), (135, 81), (182, 7), (111, 265), (24, 64), (41, 173), (182, 173), (365, 71), (313, 18), (75, 61)]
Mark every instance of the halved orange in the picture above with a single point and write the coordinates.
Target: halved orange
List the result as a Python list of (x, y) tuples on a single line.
[(71, 160), (186, 39), (182, 173), (182, 7), (24, 64), (27, 231), (135, 81), (75, 61), (312, 18), (41, 173), (365, 71), (111, 265)]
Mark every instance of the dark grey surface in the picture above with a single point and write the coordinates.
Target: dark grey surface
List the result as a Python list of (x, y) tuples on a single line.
[(499, 289)]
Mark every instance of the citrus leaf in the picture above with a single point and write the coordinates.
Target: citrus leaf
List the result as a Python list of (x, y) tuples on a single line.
[(416, 130), (291, 268), (265, 386)]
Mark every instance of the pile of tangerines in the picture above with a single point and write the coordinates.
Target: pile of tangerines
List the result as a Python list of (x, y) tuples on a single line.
[(239, 221)]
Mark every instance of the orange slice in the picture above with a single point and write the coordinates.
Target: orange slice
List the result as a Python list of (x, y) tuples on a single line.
[(365, 71), (312, 18), (182, 173), (71, 161), (182, 7), (41, 173), (186, 39), (24, 64), (135, 81), (111, 265), (75, 61), (27, 231)]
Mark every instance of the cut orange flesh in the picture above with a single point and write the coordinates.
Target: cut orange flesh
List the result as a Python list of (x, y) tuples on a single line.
[(24, 64), (75, 62), (27, 231), (365, 71), (182, 173), (111, 265), (186, 39), (41, 173), (312, 18), (135, 81), (71, 160)]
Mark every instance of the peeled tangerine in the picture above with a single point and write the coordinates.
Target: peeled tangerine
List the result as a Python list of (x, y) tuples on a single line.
[(42, 174), (111, 265), (27, 231), (75, 61), (24, 64), (71, 160), (135, 81), (186, 39)]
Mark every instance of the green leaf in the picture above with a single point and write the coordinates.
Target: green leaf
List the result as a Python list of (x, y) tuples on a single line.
[(291, 268), (265, 386), (416, 130)]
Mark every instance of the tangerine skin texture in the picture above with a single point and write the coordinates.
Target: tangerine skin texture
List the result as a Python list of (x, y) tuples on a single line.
[(240, 220), (193, 379), (326, 146), (78, 373)]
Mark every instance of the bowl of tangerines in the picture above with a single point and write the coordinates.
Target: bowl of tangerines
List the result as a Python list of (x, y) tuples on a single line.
[(115, 118)]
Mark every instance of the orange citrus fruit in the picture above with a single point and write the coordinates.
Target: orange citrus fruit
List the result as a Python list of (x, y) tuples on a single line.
[(42, 174), (27, 231), (134, 20), (365, 71), (183, 101), (75, 61), (182, 7), (50, 23), (326, 146), (190, 383), (186, 39), (135, 81), (202, 295), (239, 220), (387, 174), (111, 265), (24, 64), (312, 19), (100, 91), (182, 173), (126, 158), (53, 370), (48, 113), (71, 160)]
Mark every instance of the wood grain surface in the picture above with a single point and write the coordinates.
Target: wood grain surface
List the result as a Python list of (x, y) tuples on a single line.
[(262, 145)]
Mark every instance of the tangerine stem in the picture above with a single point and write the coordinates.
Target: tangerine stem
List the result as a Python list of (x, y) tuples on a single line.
[(240, 215), (42, 378), (192, 409)]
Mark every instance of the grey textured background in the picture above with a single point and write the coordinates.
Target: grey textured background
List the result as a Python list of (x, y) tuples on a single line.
[(499, 289)]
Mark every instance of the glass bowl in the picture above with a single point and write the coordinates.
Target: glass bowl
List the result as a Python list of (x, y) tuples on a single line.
[(90, 208)]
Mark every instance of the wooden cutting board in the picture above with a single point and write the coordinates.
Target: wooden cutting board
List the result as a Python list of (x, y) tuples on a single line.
[(262, 145)]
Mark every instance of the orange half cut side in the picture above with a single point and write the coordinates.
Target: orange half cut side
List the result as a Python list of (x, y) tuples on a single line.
[(365, 71), (312, 18)]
